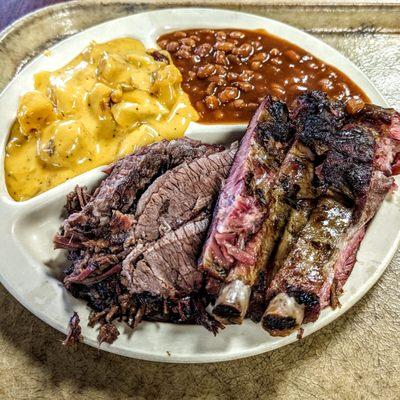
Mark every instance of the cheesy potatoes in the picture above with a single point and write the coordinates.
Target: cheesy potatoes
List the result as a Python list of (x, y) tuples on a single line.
[(111, 99)]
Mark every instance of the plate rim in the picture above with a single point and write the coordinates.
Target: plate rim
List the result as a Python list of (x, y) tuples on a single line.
[(195, 357)]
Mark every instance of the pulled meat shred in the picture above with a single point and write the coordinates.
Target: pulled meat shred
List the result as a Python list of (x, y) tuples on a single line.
[(74, 331)]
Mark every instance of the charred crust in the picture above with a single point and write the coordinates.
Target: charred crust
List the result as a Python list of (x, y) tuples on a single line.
[(320, 246), (317, 102), (317, 118), (258, 301), (226, 311), (310, 300), (356, 142), (316, 133), (100, 295), (347, 167), (344, 154), (277, 125), (372, 113), (253, 190), (291, 189), (278, 323), (249, 182), (260, 196)]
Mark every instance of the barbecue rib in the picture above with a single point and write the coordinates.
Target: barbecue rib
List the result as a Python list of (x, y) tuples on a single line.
[(236, 236), (292, 184), (355, 170), (307, 271), (288, 183)]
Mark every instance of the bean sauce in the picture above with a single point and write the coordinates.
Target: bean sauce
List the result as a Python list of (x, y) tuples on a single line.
[(227, 72)]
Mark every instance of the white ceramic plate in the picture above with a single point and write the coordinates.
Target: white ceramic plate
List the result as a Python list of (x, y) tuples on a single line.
[(28, 261)]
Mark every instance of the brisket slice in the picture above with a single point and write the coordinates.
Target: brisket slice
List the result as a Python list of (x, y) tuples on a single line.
[(241, 207), (180, 195), (163, 279), (128, 179), (167, 267), (173, 217)]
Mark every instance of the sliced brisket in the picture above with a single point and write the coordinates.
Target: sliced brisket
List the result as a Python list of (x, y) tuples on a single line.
[(150, 214), (167, 267), (173, 216), (180, 195), (128, 179)]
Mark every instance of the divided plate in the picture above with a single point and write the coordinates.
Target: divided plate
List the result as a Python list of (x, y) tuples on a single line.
[(30, 269)]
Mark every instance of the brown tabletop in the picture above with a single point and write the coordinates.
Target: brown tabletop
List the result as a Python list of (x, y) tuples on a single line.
[(10, 10)]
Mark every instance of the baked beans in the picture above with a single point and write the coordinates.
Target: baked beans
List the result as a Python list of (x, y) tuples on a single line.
[(227, 72)]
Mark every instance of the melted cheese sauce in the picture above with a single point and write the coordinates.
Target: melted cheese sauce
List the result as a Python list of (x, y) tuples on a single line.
[(111, 99)]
